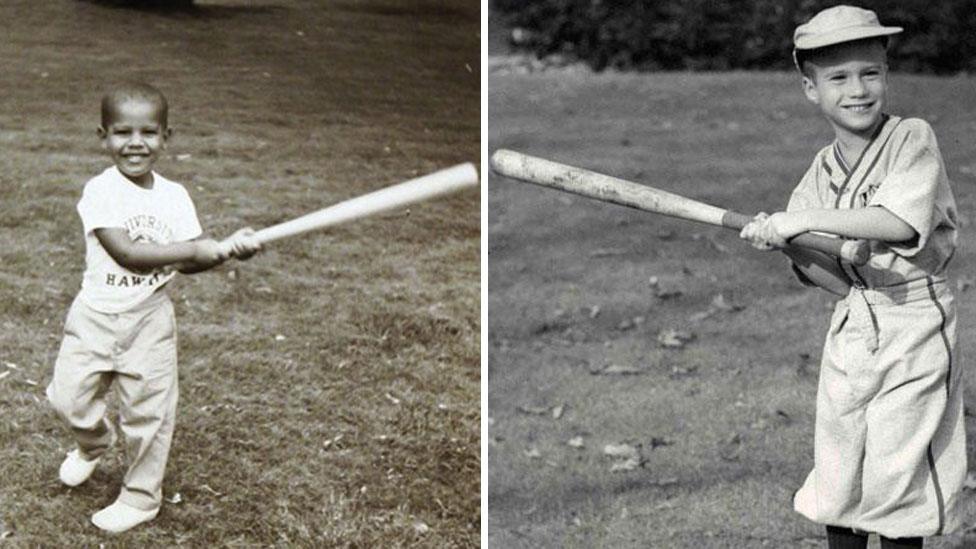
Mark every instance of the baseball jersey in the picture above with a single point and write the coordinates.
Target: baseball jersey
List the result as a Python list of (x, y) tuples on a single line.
[(901, 170), (890, 441), (161, 215)]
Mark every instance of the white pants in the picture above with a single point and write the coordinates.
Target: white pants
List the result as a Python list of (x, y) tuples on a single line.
[(890, 443), (137, 350)]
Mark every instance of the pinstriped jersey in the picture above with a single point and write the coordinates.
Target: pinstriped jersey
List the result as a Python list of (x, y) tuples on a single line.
[(901, 170)]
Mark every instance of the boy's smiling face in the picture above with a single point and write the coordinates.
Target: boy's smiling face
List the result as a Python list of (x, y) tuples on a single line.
[(135, 135), (849, 83)]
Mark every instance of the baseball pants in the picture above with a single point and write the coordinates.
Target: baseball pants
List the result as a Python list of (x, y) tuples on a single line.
[(890, 442)]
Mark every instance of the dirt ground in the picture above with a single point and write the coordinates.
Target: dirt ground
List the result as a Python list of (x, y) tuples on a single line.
[(329, 386), (579, 294)]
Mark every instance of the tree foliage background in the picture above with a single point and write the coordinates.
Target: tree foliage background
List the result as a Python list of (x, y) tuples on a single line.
[(939, 37)]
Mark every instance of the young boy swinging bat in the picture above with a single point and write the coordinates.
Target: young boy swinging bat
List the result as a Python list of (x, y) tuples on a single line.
[(141, 228), (889, 445), (890, 450)]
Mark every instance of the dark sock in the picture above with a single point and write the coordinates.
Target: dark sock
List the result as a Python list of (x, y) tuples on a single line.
[(845, 538), (900, 543)]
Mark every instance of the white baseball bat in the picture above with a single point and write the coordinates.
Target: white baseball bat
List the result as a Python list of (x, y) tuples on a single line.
[(547, 173), (430, 186)]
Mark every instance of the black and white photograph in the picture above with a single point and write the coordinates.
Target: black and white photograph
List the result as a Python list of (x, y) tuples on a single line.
[(240, 273), (488, 273), (729, 294)]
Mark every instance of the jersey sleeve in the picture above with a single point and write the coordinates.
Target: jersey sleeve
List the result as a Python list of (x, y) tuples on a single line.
[(187, 225), (911, 188), (95, 207), (806, 195)]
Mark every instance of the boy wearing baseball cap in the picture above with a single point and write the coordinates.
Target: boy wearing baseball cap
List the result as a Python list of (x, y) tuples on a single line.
[(139, 229), (889, 447)]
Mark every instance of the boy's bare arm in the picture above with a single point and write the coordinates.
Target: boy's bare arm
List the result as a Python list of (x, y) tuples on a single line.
[(200, 264), (188, 257), (815, 267), (873, 223)]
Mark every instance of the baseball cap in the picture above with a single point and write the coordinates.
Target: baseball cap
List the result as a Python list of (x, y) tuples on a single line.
[(839, 24)]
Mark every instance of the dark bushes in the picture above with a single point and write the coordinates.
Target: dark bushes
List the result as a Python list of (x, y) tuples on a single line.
[(726, 34)]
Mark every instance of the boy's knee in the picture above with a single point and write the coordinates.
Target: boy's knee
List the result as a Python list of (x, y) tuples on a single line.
[(67, 408), (60, 405), (76, 412)]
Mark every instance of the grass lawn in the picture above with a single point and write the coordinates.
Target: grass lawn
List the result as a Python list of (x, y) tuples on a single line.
[(724, 425), (329, 386)]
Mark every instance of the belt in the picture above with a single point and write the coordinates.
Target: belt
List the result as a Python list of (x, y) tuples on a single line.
[(857, 306)]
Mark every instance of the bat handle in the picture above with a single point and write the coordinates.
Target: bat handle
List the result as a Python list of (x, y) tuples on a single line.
[(856, 252)]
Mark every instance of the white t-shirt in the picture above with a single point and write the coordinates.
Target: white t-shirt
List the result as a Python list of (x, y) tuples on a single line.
[(161, 215)]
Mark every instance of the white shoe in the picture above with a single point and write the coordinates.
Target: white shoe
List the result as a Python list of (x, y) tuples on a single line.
[(75, 469), (119, 517)]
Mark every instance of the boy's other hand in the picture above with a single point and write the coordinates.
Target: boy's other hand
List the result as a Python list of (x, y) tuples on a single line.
[(761, 234), (242, 244)]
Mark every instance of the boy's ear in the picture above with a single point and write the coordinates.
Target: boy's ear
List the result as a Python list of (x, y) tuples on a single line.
[(101, 132), (810, 90)]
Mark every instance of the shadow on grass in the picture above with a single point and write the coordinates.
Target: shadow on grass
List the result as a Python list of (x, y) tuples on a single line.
[(586, 494), (184, 8), (397, 8)]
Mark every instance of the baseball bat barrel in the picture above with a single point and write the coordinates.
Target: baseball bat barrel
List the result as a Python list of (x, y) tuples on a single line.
[(423, 188), (611, 189)]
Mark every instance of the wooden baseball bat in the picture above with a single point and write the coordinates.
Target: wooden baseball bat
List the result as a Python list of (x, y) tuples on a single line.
[(430, 186), (626, 193)]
